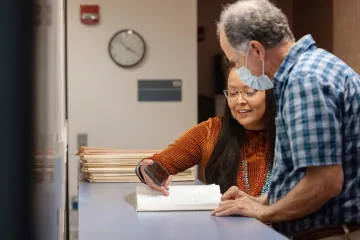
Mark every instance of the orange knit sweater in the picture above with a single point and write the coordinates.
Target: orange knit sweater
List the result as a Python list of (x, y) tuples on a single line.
[(196, 145)]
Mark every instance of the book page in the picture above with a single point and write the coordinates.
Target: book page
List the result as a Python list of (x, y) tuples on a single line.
[(181, 198)]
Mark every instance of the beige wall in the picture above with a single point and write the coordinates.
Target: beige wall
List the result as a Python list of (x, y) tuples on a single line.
[(103, 94), (347, 31), (102, 97)]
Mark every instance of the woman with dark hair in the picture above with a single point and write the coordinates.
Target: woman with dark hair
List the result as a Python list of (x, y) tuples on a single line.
[(234, 150)]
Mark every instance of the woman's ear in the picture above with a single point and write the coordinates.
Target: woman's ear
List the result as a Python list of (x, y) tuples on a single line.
[(258, 49)]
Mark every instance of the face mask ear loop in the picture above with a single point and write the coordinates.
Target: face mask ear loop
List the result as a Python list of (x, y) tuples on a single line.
[(263, 71), (246, 57)]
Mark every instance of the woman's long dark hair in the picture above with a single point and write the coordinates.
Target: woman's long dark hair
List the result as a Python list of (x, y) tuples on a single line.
[(223, 165)]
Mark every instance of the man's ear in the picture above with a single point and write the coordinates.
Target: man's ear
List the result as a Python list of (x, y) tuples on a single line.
[(257, 48)]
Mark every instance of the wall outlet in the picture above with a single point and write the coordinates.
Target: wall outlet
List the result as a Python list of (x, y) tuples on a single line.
[(82, 140)]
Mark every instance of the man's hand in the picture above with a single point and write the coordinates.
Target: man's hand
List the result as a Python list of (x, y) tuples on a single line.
[(244, 206), (150, 183), (232, 194), (235, 193)]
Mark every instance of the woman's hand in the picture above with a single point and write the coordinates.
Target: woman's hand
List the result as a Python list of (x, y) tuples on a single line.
[(150, 183)]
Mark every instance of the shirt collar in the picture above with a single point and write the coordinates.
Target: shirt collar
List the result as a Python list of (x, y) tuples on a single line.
[(302, 45)]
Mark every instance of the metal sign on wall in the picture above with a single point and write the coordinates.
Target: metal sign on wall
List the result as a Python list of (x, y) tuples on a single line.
[(150, 90)]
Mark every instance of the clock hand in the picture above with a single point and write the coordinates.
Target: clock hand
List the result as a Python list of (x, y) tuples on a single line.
[(127, 47), (131, 50)]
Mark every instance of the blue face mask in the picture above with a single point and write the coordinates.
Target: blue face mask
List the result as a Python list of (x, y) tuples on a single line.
[(262, 82)]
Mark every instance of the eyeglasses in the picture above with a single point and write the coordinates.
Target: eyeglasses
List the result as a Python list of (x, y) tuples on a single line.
[(246, 94)]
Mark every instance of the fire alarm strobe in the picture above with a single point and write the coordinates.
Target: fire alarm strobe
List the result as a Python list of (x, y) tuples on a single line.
[(89, 14)]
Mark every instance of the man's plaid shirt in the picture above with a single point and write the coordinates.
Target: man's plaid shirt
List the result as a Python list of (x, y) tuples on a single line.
[(318, 123)]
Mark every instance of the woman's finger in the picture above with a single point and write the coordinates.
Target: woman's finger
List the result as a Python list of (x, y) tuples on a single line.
[(147, 162), (144, 164), (164, 191), (151, 184), (168, 181), (154, 186)]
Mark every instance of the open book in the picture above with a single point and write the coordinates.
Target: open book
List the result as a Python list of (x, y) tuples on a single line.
[(181, 198)]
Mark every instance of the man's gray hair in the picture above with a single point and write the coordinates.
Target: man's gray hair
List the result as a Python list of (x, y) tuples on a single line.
[(259, 20)]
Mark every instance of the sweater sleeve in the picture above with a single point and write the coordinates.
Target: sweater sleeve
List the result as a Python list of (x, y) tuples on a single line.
[(188, 149)]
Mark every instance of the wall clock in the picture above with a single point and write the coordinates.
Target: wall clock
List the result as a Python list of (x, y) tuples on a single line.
[(127, 48)]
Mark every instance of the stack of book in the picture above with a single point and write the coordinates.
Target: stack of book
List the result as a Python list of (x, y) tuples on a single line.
[(114, 165)]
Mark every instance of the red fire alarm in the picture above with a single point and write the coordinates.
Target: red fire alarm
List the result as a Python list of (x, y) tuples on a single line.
[(89, 14)]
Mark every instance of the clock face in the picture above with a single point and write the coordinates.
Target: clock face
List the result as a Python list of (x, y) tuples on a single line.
[(127, 48)]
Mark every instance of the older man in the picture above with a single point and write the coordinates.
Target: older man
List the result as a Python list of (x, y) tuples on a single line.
[(315, 185)]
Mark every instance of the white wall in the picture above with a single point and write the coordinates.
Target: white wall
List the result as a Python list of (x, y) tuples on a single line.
[(102, 97)]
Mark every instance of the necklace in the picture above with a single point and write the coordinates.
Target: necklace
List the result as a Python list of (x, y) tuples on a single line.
[(255, 147), (266, 183)]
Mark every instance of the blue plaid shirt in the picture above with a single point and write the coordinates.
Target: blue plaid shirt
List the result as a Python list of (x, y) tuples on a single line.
[(318, 123)]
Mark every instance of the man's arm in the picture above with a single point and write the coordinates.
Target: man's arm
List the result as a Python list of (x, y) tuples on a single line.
[(313, 124), (318, 186)]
